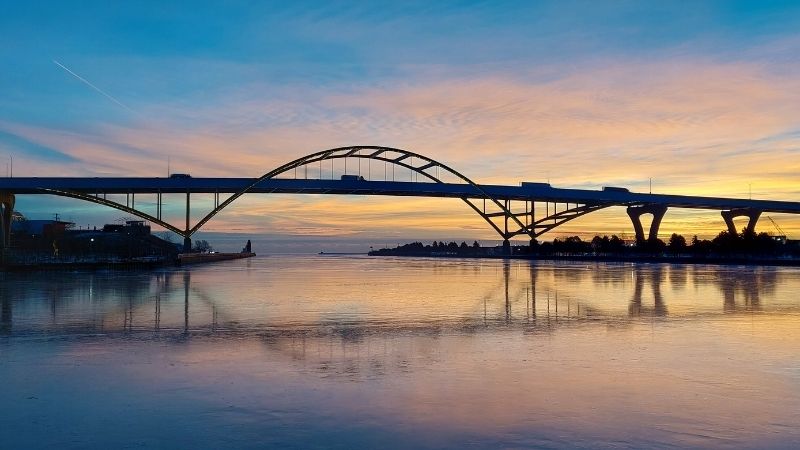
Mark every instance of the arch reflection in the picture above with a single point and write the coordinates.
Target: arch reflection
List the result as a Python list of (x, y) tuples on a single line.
[(533, 297)]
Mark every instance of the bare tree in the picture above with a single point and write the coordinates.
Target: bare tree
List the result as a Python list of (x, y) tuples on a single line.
[(202, 246)]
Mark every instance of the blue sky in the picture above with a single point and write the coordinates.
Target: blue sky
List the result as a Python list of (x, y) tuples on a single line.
[(701, 96)]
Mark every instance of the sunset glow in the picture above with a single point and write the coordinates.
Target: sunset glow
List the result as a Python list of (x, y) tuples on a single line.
[(701, 102)]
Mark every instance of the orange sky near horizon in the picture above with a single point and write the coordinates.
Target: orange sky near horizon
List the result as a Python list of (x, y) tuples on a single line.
[(695, 120)]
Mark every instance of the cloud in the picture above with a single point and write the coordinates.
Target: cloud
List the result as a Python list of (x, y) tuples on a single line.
[(695, 125), (20, 146)]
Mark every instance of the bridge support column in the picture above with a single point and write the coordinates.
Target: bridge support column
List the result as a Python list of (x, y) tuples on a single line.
[(187, 240), (635, 213), (506, 247), (7, 201), (751, 213)]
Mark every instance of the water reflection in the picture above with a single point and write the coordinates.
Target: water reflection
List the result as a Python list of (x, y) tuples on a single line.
[(5, 314), (338, 334), (515, 295), (746, 294), (655, 279), (427, 353)]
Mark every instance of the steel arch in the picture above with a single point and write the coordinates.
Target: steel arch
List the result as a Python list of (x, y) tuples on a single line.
[(379, 153), (546, 224), (115, 205), (414, 162)]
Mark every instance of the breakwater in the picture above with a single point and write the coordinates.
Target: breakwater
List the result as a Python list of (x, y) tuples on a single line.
[(46, 263), (200, 258)]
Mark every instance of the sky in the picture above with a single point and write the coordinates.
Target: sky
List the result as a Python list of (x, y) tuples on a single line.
[(701, 97)]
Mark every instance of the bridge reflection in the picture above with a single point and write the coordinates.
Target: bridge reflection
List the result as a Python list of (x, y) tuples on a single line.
[(531, 297), (655, 280)]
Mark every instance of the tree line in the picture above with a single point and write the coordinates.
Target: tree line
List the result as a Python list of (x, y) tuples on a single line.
[(746, 243), (724, 244), (434, 249)]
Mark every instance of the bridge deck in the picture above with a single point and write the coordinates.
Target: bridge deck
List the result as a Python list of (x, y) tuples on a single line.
[(535, 192)]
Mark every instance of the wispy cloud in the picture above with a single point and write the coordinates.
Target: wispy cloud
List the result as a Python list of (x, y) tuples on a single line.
[(695, 125)]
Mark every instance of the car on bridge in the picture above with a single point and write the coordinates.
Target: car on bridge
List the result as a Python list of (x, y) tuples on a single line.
[(352, 178), (180, 175)]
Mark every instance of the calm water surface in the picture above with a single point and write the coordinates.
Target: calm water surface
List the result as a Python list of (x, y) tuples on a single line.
[(358, 352)]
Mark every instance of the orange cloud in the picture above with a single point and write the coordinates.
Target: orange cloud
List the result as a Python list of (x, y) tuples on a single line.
[(694, 126)]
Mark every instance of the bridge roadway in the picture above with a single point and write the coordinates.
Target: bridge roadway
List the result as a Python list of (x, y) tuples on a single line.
[(567, 204), (540, 192)]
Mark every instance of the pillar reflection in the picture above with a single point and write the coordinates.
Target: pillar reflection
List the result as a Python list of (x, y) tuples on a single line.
[(743, 291), (555, 295), (655, 278), (186, 282), (5, 312)]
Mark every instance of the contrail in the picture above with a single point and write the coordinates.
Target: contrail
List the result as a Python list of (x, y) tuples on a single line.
[(91, 85)]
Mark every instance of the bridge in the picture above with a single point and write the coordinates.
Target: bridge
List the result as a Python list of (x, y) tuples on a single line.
[(530, 209)]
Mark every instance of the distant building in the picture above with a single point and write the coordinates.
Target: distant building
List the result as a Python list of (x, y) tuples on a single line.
[(131, 227), (50, 238), (40, 228), (113, 228)]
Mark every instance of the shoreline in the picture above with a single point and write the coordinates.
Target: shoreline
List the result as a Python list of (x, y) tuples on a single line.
[(649, 259), (145, 263), (86, 265)]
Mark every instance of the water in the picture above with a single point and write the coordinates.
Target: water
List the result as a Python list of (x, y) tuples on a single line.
[(359, 352)]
